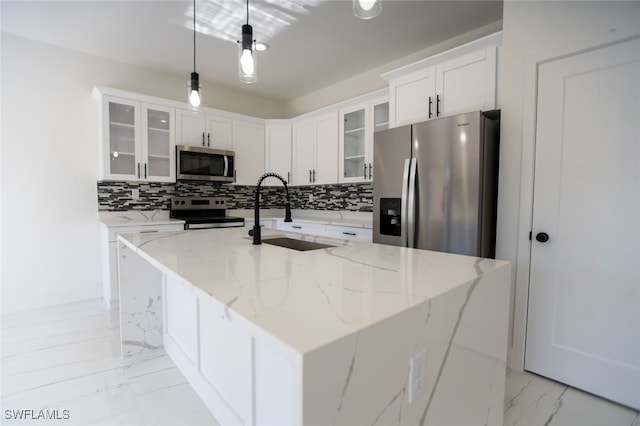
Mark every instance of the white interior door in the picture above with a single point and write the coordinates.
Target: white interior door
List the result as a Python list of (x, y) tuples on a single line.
[(583, 325)]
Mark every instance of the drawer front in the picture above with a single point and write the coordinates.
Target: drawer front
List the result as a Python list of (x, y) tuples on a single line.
[(302, 227), (349, 233)]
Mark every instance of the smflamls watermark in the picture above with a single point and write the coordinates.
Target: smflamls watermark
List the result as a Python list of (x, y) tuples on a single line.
[(27, 414)]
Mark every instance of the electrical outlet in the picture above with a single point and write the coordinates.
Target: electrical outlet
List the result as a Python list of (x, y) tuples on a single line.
[(135, 194), (311, 198), (417, 376)]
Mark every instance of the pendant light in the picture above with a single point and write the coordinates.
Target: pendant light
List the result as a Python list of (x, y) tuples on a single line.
[(194, 80), (247, 64), (367, 9)]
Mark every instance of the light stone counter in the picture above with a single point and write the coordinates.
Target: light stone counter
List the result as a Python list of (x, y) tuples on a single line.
[(268, 335), (137, 218)]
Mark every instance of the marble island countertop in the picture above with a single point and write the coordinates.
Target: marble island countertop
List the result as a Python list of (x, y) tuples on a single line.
[(137, 218), (312, 298)]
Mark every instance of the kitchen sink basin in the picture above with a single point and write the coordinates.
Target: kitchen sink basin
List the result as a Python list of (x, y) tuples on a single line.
[(295, 244)]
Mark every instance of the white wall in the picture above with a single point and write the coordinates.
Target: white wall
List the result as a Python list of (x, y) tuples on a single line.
[(50, 239), (534, 32)]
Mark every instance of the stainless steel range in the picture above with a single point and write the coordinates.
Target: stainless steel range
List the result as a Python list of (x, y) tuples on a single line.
[(203, 212)]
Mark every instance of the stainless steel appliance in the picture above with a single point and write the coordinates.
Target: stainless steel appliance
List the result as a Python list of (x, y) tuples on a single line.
[(197, 163), (435, 185), (203, 212)]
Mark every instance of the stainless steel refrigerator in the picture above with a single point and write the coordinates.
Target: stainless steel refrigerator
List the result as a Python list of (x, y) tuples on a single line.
[(435, 184)]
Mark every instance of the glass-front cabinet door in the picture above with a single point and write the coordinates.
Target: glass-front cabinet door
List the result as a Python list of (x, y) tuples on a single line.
[(358, 125), (380, 111), (353, 139), (158, 143), (138, 141), (121, 139)]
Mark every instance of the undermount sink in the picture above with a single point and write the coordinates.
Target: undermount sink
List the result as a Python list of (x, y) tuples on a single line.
[(295, 244)]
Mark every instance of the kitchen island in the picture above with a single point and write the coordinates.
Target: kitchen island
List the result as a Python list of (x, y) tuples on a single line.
[(354, 334)]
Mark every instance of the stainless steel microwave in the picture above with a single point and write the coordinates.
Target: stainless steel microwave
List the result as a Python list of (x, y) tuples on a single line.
[(197, 163)]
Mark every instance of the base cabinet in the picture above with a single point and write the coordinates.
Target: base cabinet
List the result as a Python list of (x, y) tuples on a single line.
[(245, 376), (242, 379)]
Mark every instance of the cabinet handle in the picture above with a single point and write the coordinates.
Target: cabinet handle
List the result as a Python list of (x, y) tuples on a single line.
[(430, 107), (288, 177), (309, 175), (203, 139), (370, 171), (314, 175), (209, 139), (353, 234), (296, 227), (138, 170), (145, 170), (365, 171), (438, 106), (147, 232)]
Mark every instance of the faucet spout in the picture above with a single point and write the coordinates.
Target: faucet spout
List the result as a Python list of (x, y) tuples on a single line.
[(255, 232)]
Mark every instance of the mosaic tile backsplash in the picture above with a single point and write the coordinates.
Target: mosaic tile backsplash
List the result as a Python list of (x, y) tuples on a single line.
[(116, 196)]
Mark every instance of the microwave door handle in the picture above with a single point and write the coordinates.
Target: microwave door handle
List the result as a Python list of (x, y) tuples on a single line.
[(226, 166)]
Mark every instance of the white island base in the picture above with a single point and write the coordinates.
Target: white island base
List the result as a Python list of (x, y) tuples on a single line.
[(358, 334)]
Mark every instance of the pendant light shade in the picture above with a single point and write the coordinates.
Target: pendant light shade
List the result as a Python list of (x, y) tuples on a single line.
[(194, 91), (247, 63), (367, 9)]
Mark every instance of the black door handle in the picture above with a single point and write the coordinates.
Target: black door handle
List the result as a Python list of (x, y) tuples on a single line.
[(542, 237)]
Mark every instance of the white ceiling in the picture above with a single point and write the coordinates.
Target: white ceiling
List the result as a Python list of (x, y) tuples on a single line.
[(314, 43)]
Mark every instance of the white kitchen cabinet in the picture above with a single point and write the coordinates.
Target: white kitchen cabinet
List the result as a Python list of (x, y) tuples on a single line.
[(301, 226), (357, 126), (203, 129), (278, 149), (181, 316), (137, 140), (248, 144), (460, 84), (351, 233), (109, 246), (225, 357), (315, 150)]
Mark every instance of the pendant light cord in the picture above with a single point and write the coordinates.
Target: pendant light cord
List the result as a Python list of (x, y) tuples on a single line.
[(194, 35), (247, 12)]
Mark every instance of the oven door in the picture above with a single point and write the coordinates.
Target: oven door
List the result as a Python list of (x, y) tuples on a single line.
[(195, 163)]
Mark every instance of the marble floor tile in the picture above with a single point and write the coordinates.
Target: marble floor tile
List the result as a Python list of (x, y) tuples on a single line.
[(532, 400), (68, 358)]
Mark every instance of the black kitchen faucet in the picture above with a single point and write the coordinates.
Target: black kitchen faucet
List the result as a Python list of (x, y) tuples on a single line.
[(255, 232)]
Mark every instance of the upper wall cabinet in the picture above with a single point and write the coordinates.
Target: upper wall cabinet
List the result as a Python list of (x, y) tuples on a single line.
[(203, 129), (458, 81), (137, 140), (248, 144), (278, 149), (357, 126), (315, 150)]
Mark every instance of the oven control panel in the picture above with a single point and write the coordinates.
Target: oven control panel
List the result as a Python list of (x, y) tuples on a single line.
[(198, 203)]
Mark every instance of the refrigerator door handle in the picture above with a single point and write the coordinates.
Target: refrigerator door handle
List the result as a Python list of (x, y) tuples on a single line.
[(411, 205), (403, 205)]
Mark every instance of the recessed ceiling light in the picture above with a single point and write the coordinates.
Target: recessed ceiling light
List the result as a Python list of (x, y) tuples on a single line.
[(261, 47)]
